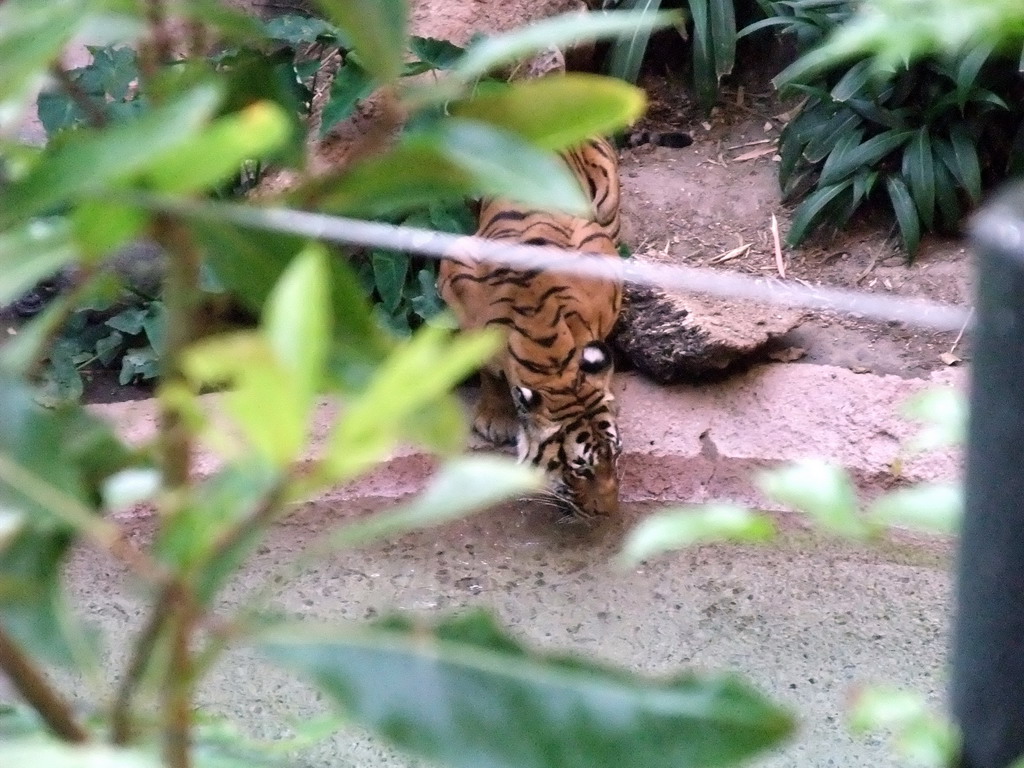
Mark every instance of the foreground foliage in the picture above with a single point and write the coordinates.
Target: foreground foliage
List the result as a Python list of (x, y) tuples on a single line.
[(117, 170)]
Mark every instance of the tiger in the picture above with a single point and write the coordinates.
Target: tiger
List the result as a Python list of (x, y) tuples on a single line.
[(548, 389)]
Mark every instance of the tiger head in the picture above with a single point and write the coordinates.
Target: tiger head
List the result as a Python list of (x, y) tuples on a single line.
[(569, 430)]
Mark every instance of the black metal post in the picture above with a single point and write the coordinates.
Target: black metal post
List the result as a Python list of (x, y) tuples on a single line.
[(988, 637)]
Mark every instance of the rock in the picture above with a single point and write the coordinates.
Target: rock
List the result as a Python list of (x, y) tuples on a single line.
[(679, 337)]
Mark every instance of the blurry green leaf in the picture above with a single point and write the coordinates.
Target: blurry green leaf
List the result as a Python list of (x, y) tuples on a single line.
[(139, 364), (439, 54), (389, 271), (961, 157), (101, 227), (932, 508), (561, 32), (900, 32), (704, 78), (943, 410), (32, 35), (90, 161), (823, 492), (920, 736), (808, 214), (459, 488), (216, 153), (297, 320), (969, 67), (257, 77), (837, 131), (155, 325), (427, 304), (946, 196), (906, 213), (627, 53), (351, 85), (263, 397), (919, 173), (296, 29), (868, 153), (62, 381), (128, 321), (456, 219), (440, 427), (458, 159), (559, 111), (672, 529), (64, 454), (18, 720), (58, 112), (245, 262), (722, 26), (853, 81), (34, 251), (498, 704), (249, 263), (757, 26), (374, 420), (376, 29), (51, 754), (108, 347)]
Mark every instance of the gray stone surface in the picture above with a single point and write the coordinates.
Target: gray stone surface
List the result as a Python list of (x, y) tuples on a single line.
[(808, 621), (674, 338)]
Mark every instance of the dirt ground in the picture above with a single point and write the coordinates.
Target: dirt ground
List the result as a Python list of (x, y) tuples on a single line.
[(696, 204)]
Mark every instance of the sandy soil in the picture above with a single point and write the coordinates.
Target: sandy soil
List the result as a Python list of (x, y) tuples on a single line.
[(696, 204)]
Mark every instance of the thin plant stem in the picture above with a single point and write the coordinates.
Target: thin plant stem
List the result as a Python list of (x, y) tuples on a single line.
[(121, 721), (32, 684), (181, 295), (177, 688)]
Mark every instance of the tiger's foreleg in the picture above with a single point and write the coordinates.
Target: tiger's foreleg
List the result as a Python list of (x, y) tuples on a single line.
[(495, 418)]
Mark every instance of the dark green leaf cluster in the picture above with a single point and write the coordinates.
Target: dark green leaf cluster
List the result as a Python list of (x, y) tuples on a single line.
[(109, 81), (402, 286), (712, 36), (130, 341), (921, 139)]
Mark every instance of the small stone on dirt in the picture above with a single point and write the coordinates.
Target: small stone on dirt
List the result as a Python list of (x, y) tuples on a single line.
[(675, 337)]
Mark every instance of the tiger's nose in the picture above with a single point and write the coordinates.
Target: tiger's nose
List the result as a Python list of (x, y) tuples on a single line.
[(601, 497)]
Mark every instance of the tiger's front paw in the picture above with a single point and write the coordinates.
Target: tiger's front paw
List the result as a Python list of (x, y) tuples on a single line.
[(499, 428)]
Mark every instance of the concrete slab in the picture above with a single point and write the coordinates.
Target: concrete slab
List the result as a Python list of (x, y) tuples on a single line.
[(699, 443), (805, 620)]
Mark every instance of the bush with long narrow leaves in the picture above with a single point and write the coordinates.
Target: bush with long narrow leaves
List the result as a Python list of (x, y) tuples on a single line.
[(713, 40), (921, 138)]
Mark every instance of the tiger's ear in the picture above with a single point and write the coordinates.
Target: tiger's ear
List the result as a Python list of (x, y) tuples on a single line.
[(595, 357)]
